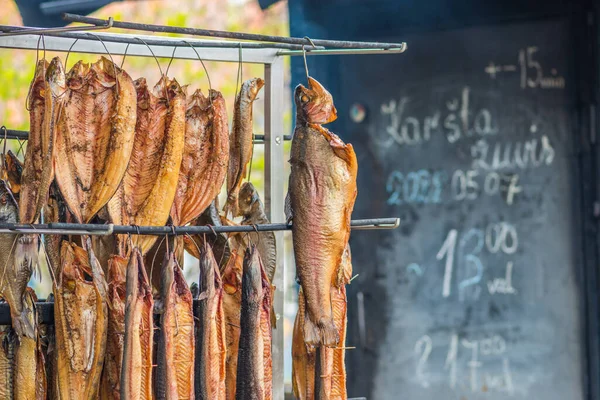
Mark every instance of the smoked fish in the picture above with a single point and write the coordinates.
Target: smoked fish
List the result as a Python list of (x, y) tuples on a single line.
[(219, 242), (16, 264), (175, 354), (30, 373), (95, 136), (13, 172), (81, 319), (136, 374), (240, 142), (7, 361), (111, 373), (254, 368), (252, 210), (44, 103), (210, 332), (332, 372), (146, 194), (232, 303), (321, 195), (205, 156)]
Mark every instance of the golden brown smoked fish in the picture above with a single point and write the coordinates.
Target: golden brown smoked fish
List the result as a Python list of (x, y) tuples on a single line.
[(16, 265), (95, 136), (136, 374), (240, 142), (80, 315), (210, 332), (7, 359), (253, 211), (30, 375), (219, 242), (148, 188), (205, 156), (44, 103), (321, 194), (332, 374), (14, 173), (175, 357), (254, 369), (232, 303), (111, 373)]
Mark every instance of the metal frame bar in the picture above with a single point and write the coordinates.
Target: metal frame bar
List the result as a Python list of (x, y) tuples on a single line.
[(60, 228), (313, 43)]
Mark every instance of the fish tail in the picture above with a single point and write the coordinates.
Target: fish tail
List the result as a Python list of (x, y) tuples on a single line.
[(323, 333)]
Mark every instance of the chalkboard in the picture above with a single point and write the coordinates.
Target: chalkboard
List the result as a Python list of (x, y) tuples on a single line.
[(470, 137)]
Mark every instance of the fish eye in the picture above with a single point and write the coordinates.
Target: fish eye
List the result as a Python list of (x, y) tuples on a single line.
[(173, 86), (249, 199), (304, 98)]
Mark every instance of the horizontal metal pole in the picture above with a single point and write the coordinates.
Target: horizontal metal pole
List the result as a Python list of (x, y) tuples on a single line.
[(109, 229), (162, 48), (24, 135), (48, 31), (8, 30), (343, 52), (340, 44)]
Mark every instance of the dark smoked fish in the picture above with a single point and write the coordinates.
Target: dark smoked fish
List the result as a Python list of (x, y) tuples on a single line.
[(7, 359), (254, 369), (240, 142), (210, 330), (320, 200)]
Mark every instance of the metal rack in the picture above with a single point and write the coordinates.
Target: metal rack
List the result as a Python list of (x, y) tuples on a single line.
[(263, 49)]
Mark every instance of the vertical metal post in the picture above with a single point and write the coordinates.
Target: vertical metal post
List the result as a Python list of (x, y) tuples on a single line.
[(274, 202)]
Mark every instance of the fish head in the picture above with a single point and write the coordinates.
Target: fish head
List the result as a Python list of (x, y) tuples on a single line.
[(56, 77), (251, 87), (9, 211), (198, 99), (78, 75), (208, 270), (143, 94), (160, 88), (174, 90), (105, 72), (248, 199), (314, 103), (14, 171), (252, 288), (232, 273), (117, 267)]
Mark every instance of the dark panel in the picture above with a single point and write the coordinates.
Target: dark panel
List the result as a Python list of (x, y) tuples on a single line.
[(475, 146)]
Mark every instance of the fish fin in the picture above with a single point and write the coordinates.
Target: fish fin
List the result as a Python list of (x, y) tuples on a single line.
[(289, 211)]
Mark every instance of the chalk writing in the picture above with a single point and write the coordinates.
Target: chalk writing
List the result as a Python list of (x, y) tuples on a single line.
[(468, 372), (522, 154)]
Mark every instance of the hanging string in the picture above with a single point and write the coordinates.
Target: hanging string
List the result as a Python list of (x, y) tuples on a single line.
[(37, 59)]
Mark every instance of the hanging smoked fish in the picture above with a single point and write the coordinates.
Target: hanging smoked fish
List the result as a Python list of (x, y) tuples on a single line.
[(240, 142), (205, 156), (29, 380), (111, 373), (14, 173), (210, 332), (332, 374), (81, 319), (136, 373), (254, 368), (323, 172), (232, 303), (7, 361), (45, 103), (95, 136), (146, 194), (175, 357)]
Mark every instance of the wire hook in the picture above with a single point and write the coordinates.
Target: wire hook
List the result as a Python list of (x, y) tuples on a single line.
[(238, 78), (171, 60), (112, 60), (205, 70), (304, 54), (153, 55), (124, 55), (69, 52)]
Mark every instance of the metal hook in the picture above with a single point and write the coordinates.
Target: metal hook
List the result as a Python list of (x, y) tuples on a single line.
[(304, 54), (124, 55), (3, 163), (171, 60), (205, 70), (37, 59), (153, 55), (69, 52), (238, 78), (113, 63)]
